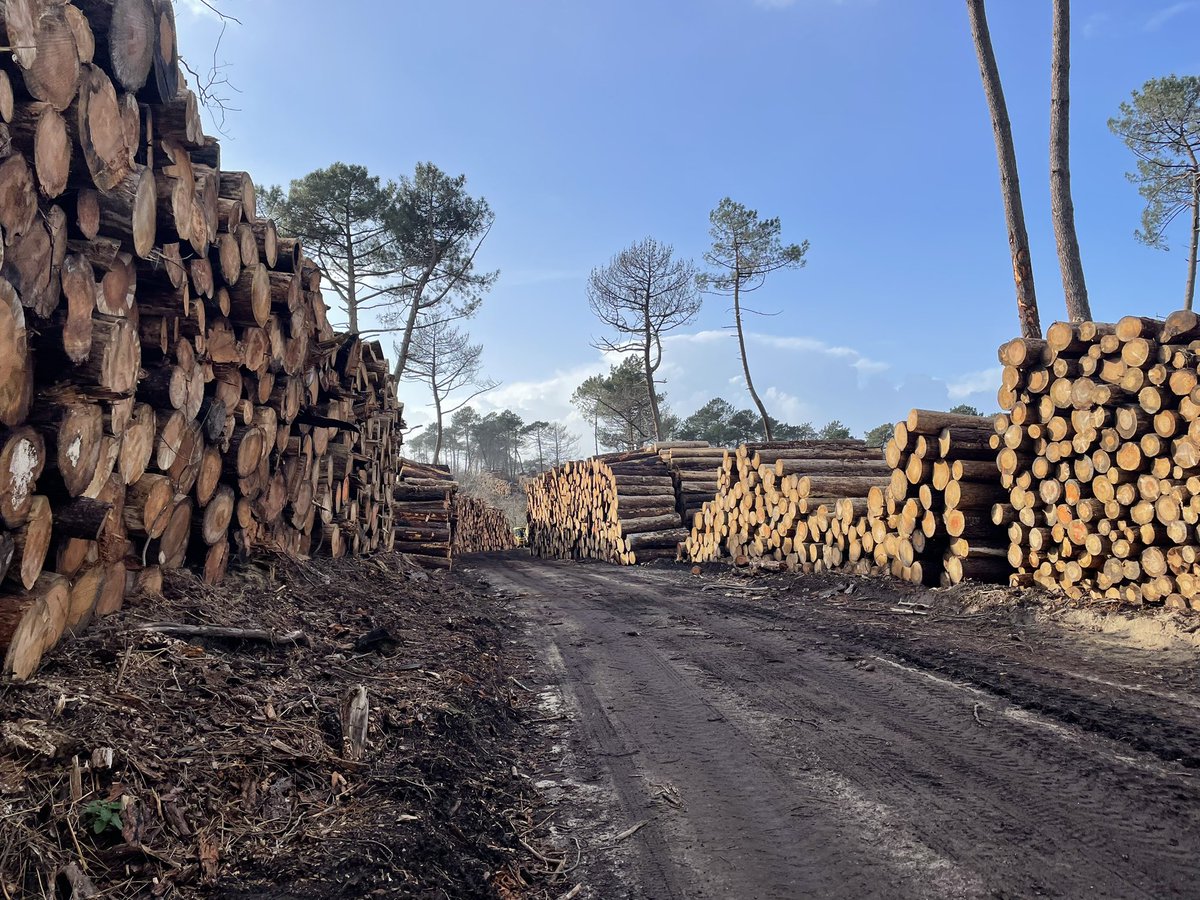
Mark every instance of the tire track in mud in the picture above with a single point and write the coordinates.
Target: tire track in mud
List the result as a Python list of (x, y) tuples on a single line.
[(814, 756)]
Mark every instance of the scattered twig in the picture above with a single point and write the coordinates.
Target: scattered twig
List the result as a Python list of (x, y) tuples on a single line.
[(631, 831), (217, 631), (572, 893), (975, 713), (526, 689)]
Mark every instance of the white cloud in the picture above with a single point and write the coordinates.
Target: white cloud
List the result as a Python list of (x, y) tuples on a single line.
[(973, 383), (801, 379), (1167, 13)]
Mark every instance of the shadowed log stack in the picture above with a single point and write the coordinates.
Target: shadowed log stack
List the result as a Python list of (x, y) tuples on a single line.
[(1100, 454), (423, 509), (170, 388), (619, 507), (695, 467), (932, 523)]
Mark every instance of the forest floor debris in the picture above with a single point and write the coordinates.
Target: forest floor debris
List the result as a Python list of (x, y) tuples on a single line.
[(140, 763)]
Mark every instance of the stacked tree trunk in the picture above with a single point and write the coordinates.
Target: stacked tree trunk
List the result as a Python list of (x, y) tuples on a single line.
[(423, 510), (932, 523), (786, 504), (619, 507), (1100, 454), (479, 527), (695, 467), (170, 388)]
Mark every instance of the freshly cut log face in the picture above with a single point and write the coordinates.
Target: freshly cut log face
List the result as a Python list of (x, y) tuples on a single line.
[(31, 623), (20, 20), (54, 74), (126, 36), (100, 129), (40, 132), (22, 457), (31, 543)]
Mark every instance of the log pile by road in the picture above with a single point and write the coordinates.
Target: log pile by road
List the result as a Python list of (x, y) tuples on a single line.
[(479, 527), (170, 388), (1100, 453), (423, 510), (932, 523), (920, 513), (618, 507), (775, 503), (694, 467)]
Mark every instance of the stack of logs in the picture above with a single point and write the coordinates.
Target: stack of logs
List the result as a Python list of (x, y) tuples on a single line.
[(170, 388), (778, 503), (1100, 453), (932, 523), (435, 523), (694, 467), (921, 513), (479, 527), (619, 507)]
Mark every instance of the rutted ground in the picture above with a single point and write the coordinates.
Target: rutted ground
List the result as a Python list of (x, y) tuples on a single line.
[(784, 738)]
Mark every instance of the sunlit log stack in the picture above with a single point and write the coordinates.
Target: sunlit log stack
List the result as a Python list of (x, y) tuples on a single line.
[(170, 388), (786, 503), (1100, 452), (695, 467), (932, 523), (619, 507), (479, 527)]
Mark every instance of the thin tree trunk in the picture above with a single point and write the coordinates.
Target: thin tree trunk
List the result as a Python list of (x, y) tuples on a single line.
[(737, 317), (410, 324), (437, 406), (1010, 185), (1191, 276), (658, 436), (351, 279), (1062, 210)]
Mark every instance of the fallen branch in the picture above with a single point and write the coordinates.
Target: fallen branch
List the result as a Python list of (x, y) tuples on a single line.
[(630, 832), (234, 634)]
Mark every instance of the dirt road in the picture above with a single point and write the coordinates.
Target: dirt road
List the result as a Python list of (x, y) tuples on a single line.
[(785, 738)]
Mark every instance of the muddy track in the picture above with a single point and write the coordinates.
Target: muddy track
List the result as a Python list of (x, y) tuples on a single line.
[(787, 746)]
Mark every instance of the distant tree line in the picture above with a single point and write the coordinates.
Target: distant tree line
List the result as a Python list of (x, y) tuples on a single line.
[(500, 443)]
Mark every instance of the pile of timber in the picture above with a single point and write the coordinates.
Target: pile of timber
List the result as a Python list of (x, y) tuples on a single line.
[(932, 523), (1100, 453), (618, 507), (922, 512), (695, 467), (783, 504), (479, 527), (171, 391), (423, 511)]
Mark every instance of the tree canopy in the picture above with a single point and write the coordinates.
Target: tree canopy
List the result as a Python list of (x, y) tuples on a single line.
[(746, 249), (643, 293), (1161, 125)]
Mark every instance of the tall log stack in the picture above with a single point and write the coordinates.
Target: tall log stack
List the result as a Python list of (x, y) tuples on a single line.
[(171, 391), (436, 524), (619, 507), (932, 523), (694, 467), (1100, 453)]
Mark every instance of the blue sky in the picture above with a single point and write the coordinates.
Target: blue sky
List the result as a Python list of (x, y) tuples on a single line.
[(861, 123)]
